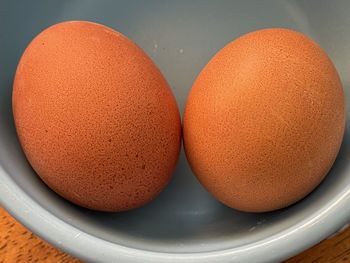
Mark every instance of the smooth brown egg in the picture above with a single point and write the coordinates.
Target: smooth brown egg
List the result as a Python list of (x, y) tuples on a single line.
[(95, 117), (264, 120)]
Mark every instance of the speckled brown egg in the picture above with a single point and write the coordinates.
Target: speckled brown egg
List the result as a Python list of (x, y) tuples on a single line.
[(95, 117), (264, 120)]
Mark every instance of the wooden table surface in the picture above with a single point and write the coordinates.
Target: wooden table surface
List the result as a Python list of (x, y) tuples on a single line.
[(18, 245)]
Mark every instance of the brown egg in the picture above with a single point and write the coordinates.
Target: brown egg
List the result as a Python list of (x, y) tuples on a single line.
[(95, 117), (264, 120)]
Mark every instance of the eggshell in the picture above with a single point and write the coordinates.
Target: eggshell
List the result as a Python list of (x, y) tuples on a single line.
[(95, 117), (264, 120)]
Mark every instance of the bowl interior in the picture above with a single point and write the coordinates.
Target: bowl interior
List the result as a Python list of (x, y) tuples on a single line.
[(181, 37)]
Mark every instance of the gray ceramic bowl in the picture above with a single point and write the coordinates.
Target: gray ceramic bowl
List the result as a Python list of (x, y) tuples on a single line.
[(185, 223)]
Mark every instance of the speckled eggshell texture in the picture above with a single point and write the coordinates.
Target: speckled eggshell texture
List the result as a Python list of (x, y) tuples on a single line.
[(95, 117), (264, 120)]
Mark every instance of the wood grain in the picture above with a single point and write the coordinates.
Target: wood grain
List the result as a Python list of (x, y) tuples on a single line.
[(18, 245)]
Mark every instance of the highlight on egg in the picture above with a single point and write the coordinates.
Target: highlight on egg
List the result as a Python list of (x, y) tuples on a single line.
[(264, 120), (95, 117)]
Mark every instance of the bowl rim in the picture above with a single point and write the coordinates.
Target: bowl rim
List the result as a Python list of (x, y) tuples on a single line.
[(71, 240)]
